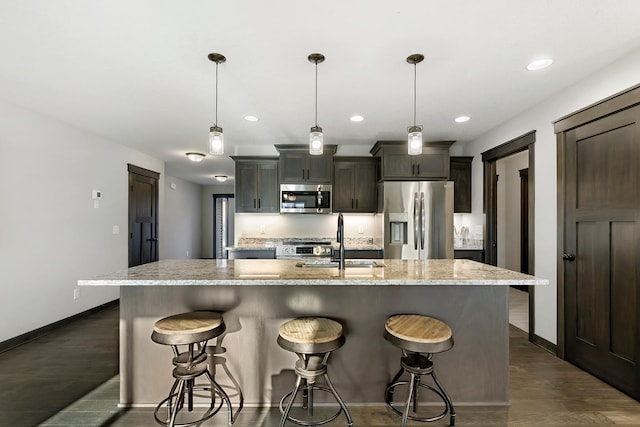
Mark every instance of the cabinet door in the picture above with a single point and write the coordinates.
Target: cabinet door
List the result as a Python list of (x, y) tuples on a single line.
[(365, 187), (320, 168), (293, 167), (268, 197), (433, 163), (246, 187), (343, 187), (460, 174), (397, 165)]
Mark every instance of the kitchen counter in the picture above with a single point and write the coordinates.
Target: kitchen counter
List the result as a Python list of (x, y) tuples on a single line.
[(282, 272), (257, 296)]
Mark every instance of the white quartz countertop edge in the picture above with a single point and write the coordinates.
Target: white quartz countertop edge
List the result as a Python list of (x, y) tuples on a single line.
[(300, 282)]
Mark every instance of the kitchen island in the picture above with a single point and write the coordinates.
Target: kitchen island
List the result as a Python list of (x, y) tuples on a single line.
[(257, 296)]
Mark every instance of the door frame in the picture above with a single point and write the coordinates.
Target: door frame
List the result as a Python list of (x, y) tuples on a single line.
[(617, 102), (525, 142), (217, 196)]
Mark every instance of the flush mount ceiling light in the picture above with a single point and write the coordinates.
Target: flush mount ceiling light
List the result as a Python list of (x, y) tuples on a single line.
[(356, 118), (251, 118), (539, 64), (216, 137), (221, 178), (414, 137), (462, 119), (316, 143), (196, 157)]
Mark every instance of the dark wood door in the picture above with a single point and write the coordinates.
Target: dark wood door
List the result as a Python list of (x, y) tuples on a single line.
[(143, 216), (601, 245), (460, 174)]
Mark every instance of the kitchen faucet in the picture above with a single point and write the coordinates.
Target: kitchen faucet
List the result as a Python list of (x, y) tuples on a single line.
[(340, 237)]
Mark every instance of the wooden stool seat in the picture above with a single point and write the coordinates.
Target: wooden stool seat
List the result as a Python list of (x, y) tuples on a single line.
[(187, 328), (419, 333), (311, 330)]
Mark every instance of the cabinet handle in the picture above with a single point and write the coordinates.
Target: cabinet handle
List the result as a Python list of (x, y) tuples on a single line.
[(351, 203), (258, 202), (413, 169), (568, 257), (418, 168), (356, 203), (303, 170), (254, 203)]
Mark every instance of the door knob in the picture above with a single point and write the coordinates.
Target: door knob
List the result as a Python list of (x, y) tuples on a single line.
[(568, 257)]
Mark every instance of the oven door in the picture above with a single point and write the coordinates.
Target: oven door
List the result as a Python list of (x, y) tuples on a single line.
[(305, 198)]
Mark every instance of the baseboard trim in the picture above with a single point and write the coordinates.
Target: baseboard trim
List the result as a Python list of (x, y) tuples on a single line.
[(37, 333), (546, 345)]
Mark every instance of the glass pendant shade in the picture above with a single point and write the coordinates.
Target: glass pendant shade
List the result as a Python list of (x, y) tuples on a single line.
[(216, 141), (415, 141), (316, 144)]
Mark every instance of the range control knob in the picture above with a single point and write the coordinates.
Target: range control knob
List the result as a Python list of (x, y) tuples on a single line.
[(317, 250)]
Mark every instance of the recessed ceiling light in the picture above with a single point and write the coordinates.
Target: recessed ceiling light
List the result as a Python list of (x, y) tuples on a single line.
[(251, 118), (462, 119), (195, 157), (356, 118), (539, 64), (221, 178)]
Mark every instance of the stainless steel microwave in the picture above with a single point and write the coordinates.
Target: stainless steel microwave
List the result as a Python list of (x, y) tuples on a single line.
[(305, 198)]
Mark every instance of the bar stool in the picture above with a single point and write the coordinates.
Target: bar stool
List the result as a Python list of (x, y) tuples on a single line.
[(419, 337), (312, 339), (192, 331)]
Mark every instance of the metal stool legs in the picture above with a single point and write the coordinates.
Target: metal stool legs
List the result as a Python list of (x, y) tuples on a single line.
[(418, 365), (188, 366), (308, 368)]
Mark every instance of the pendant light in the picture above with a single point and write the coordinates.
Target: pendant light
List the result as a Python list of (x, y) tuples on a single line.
[(316, 144), (414, 139), (216, 137)]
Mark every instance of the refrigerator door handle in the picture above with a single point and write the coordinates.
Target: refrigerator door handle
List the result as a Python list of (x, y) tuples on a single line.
[(422, 221), (416, 221)]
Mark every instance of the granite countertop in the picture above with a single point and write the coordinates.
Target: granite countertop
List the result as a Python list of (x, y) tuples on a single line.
[(204, 272)]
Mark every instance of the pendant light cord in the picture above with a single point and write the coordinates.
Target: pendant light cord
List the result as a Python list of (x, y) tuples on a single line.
[(316, 93), (216, 121), (415, 72)]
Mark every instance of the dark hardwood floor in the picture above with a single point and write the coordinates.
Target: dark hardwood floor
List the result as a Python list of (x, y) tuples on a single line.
[(69, 378)]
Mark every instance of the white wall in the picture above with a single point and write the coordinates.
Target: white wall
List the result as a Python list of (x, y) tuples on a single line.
[(50, 233), (182, 219), (610, 80)]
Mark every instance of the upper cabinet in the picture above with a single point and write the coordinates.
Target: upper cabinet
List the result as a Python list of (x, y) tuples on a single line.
[(297, 166), (256, 184), (354, 184), (397, 165), (460, 174)]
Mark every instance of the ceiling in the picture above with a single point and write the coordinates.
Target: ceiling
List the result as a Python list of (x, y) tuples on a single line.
[(136, 71)]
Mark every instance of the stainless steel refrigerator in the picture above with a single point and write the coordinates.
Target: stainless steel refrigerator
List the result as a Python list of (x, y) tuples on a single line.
[(418, 219)]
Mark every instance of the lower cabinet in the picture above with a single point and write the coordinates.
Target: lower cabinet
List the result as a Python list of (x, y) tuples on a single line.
[(360, 254), (472, 254)]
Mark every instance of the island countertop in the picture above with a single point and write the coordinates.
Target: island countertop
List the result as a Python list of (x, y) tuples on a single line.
[(208, 272)]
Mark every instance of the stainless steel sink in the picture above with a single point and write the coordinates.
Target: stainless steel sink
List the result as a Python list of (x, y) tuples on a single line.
[(334, 264)]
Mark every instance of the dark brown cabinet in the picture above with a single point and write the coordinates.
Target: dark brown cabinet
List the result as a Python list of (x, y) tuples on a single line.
[(297, 166), (460, 174), (256, 184), (397, 165), (354, 184), (472, 254)]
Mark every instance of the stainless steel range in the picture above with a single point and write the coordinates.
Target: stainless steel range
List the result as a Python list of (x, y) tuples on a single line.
[(302, 249)]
